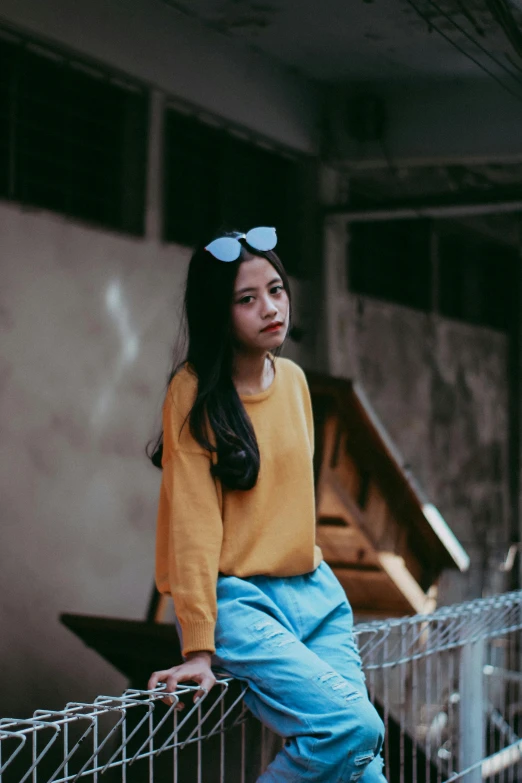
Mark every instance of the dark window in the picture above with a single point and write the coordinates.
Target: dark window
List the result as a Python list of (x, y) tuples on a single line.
[(193, 162), (72, 140), (260, 188), (391, 260), (7, 83), (214, 180), (475, 280)]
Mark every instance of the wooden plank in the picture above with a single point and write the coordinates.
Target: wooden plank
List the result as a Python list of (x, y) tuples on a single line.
[(379, 518), (374, 454), (372, 591), (330, 504), (405, 582), (345, 545)]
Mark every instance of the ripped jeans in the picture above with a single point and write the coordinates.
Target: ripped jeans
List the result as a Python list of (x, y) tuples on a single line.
[(291, 640)]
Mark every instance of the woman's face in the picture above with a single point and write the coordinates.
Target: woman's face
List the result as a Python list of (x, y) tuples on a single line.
[(260, 307)]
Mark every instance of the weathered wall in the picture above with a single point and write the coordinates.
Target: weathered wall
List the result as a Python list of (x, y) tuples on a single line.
[(418, 131), (440, 388), (88, 320)]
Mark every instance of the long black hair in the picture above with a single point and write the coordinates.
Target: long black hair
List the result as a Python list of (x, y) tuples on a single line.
[(208, 323)]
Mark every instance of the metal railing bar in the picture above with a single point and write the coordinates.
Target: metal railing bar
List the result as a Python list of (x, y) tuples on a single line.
[(38, 758), (15, 735), (229, 710), (414, 669), (149, 710), (199, 724), (493, 764)]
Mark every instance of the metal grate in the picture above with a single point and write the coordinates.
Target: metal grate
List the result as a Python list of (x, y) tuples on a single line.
[(433, 265), (214, 180), (391, 261), (131, 737), (73, 137), (448, 685)]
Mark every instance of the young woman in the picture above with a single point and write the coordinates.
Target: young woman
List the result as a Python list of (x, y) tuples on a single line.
[(236, 524)]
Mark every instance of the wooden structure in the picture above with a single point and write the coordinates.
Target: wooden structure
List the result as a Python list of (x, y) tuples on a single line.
[(386, 543)]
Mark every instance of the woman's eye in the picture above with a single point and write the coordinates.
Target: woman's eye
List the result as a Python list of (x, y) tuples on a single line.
[(277, 289), (245, 300)]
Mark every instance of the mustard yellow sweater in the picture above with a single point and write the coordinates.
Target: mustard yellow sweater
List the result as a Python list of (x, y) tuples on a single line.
[(204, 528)]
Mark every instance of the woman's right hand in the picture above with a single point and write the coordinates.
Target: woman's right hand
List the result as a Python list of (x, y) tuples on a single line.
[(196, 668)]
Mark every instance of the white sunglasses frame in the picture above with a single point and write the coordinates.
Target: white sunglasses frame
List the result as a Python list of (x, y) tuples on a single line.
[(237, 238)]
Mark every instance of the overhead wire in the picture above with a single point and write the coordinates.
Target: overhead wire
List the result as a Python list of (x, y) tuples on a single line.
[(513, 63), (459, 48), (475, 42), (504, 16), (469, 16)]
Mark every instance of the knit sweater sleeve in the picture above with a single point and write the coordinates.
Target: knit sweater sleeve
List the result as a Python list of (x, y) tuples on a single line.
[(191, 527)]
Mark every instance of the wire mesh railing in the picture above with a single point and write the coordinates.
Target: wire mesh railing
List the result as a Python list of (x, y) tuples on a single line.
[(448, 686)]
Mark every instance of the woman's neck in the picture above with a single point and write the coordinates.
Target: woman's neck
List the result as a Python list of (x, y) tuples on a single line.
[(252, 374)]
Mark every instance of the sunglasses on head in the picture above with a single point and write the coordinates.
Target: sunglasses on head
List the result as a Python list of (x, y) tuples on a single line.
[(229, 248)]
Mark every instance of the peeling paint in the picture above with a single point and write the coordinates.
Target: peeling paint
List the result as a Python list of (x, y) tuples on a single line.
[(236, 16)]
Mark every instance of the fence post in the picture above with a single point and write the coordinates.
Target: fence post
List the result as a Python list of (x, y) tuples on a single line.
[(471, 709)]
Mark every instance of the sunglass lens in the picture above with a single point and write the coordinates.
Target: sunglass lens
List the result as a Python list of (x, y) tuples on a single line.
[(224, 248), (262, 238)]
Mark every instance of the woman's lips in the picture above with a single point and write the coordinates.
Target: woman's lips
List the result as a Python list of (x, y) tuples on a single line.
[(272, 328)]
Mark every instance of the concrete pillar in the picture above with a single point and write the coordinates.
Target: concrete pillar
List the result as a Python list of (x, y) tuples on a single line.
[(340, 356)]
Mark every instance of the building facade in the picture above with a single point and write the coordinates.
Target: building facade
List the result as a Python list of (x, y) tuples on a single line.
[(130, 129)]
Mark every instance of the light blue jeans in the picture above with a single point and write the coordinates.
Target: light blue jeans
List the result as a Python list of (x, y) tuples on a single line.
[(291, 639)]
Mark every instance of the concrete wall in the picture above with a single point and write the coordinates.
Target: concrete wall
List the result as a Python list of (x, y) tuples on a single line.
[(418, 129), (88, 320), (440, 388)]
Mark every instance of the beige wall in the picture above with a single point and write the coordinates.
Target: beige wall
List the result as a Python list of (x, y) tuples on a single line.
[(88, 320)]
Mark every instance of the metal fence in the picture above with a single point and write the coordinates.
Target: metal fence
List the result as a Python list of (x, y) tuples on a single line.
[(448, 686)]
